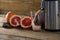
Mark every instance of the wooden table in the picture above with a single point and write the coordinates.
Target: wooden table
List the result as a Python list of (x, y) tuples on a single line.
[(18, 34), (28, 34)]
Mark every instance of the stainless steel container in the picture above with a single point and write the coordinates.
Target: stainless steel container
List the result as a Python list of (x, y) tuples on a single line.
[(52, 19)]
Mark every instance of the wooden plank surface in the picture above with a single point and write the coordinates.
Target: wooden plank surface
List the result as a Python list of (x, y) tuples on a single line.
[(43, 35)]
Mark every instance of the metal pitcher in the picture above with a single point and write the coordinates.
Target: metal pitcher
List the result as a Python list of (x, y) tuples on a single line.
[(52, 15)]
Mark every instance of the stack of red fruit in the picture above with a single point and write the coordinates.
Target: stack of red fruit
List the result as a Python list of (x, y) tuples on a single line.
[(16, 20)]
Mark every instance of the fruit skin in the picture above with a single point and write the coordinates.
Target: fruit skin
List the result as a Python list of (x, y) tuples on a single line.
[(9, 15), (23, 26), (11, 20)]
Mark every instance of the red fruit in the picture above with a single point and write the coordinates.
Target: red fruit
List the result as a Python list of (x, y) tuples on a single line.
[(15, 20), (26, 22), (9, 15)]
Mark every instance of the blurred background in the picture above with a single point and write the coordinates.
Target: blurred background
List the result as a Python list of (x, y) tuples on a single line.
[(21, 7)]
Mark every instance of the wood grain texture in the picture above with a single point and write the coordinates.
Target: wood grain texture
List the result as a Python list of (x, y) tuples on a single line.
[(23, 6), (42, 35)]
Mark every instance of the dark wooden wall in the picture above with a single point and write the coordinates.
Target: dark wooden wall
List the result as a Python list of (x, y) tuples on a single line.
[(19, 6)]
